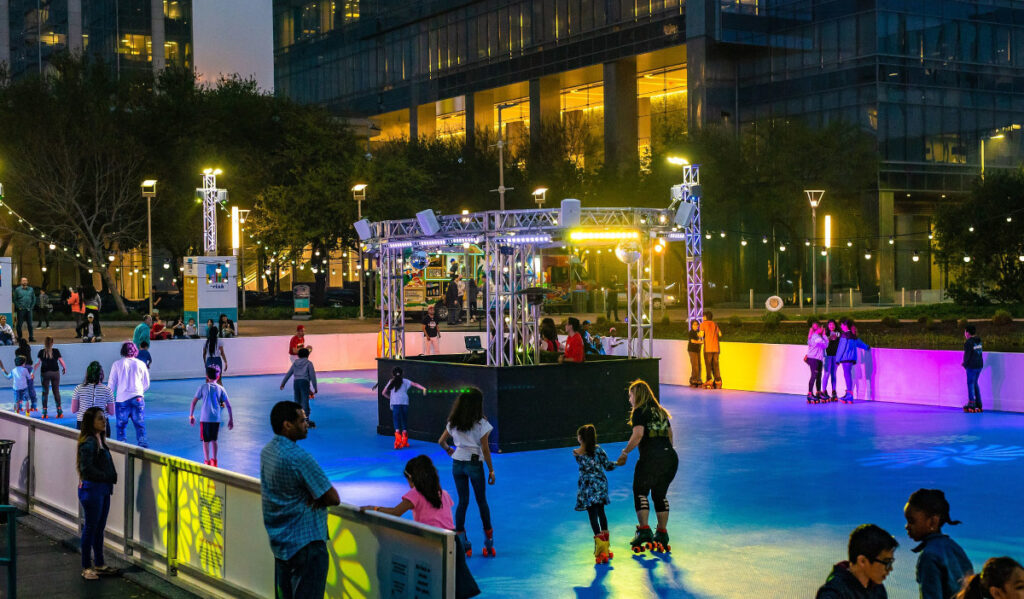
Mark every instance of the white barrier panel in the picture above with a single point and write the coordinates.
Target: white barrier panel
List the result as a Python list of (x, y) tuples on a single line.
[(202, 527)]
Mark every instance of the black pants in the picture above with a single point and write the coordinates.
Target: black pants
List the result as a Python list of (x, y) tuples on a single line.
[(25, 316), (611, 307), (598, 521), (815, 365), (652, 475), (44, 316), (304, 575)]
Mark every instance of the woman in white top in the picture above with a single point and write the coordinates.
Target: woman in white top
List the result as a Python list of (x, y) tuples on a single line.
[(6, 332), (92, 393), (397, 393), (816, 344), (470, 431)]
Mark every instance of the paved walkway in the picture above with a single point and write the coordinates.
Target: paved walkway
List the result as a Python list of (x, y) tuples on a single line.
[(49, 565)]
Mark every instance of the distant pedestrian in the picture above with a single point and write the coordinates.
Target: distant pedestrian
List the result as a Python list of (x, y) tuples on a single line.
[(870, 553), (693, 350), (51, 366), (97, 478), (452, 300), (611, 302), (92, 393), (1000, 578), (45, 306), (304, 385), (472, 290), (296, 494), (942, 564), (710, 334), (397, 394), (214, 399), (129, 378), (77, 307), (431, 334), (91, 330), (143, 330), (972, 363), (25, 305)]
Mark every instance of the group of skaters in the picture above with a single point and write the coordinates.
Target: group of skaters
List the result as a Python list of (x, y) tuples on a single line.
[(704, 335), (829, 347), (943, 569)]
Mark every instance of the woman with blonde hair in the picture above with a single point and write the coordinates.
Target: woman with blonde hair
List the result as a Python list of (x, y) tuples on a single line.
[(655, 468)]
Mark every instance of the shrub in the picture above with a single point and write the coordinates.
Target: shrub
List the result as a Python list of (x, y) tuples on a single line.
[(665, 321), (600, 320), (735, 321), (930, 324), (1002, 318), (771, 320), (923, 320), (961, 323), (891, 321)]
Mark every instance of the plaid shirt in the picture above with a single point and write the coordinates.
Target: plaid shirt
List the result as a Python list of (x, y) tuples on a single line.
[(289, 479)]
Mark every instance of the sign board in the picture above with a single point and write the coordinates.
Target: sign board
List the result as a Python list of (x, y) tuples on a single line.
[(211, 289), (300, 298)]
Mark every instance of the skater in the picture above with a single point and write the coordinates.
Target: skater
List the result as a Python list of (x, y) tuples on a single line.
[(870, 554), (453, 300), (693, 350), (432, 505), (304, 385), (573, 342), (92, 393), (655, 468), (1000, 578), (592, 488), (846, 354), (214, 399), (51, 366), (816, 344), (97, 478), (431, 334), (20, 378), (25, 352), (831, 365), (211, 348), (142, 331), (471, 432), (942, 564), (710, 334), (129, 378), (973, 362), (144, 355), (397, 394)]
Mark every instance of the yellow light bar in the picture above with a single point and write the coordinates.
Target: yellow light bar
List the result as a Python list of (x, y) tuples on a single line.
[(604, 235), (828, 231)]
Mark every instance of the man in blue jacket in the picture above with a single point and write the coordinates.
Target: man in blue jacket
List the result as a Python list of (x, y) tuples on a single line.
[(25, 304), (973, 363)]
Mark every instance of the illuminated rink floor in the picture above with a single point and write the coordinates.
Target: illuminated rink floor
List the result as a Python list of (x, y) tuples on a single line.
[(767, 491)]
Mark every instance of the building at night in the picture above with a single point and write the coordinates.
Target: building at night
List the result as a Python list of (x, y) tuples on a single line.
[(937, 83), (129, 35)]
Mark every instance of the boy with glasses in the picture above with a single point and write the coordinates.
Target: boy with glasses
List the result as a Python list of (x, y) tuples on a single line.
[(871, 559)]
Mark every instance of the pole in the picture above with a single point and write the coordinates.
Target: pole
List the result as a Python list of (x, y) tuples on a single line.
[(982, 157), (828, 278), (149, 247), (814, 261), (241, 263), (775, 251), (359, 209)]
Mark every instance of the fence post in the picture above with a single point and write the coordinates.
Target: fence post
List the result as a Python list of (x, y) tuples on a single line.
[(172, 520), (129, 503), (751, 299), (851, 297)]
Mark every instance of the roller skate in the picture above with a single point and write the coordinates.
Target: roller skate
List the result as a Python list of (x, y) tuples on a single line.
[(822, 397), (848, 398), (834, 397), (17, 408), (709, 384), (660, 542), (60, 413), (398, 440), (601, 551), (811, 398), (717, 385), (466, 545), (489, 543), (972, 408), (405, 439), (643, 539), (43, 415)]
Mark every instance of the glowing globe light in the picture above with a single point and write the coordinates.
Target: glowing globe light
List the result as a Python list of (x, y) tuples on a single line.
[(628, 252), (419, 260)]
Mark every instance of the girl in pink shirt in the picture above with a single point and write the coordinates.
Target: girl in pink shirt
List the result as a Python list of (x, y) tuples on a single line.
[(432, 505)]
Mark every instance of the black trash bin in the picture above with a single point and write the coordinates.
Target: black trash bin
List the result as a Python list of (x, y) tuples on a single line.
[(5, 474)]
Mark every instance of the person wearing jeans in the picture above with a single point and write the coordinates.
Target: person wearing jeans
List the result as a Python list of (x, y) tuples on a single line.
[(831, 364), (972, 363), (129, 378), (97, 479), (295, 495), (25, 304), (304, 385)]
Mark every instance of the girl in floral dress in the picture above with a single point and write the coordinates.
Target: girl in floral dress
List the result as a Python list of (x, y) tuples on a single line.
[(592, 494)]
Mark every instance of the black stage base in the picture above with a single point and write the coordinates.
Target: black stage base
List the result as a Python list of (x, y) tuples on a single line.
[(530, 407)]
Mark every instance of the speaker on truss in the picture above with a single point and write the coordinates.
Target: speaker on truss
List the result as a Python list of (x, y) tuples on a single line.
[(428, 222), (363, 229), (570, 213), (684, 213), (696, 191)]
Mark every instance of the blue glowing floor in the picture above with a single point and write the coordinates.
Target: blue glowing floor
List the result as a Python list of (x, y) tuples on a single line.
[(767, 491)]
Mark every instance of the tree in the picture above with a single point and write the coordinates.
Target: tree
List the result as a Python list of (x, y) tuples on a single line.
[(983, 248)]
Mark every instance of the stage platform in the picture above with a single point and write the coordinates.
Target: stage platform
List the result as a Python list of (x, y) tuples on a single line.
[(530, 407), (767, 492)]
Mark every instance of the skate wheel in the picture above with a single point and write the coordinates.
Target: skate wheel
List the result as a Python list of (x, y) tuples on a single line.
[(638, 550), (649, 546), (469, 553), (610, 555), (668, 548)]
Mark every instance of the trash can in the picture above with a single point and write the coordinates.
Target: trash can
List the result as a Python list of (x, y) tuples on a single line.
[(579, 301), (5, 474)]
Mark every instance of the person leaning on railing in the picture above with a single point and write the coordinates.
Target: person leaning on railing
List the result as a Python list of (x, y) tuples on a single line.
[(97, 478)]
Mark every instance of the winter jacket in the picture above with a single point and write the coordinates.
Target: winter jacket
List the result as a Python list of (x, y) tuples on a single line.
[(94, 462), (842, 584), (941, 567), (972, 354), (848, 345), (24, 298), (816, 345)]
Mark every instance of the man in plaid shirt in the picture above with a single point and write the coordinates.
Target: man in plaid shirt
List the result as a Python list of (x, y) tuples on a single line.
[(296, 494)]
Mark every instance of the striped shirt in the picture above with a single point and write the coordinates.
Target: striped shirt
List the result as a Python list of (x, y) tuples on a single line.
[(89, 396)]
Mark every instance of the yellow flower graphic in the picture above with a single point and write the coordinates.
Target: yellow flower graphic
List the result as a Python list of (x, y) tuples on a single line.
[(347, 578)]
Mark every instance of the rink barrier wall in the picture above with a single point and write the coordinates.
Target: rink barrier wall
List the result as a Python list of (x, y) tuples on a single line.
[(925, 377), (201, 527)]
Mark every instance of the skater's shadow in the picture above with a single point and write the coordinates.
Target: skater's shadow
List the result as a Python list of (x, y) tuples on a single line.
[(596, 589), (666, 579)]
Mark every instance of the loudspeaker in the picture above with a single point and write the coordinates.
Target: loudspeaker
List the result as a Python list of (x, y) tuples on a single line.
[(363, 229), (570, 213), (684, 214), (696, 191), (428, 222)]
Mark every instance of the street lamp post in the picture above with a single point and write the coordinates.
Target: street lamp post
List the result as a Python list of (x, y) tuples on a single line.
[(149, 192), (814, 197), (238, 245), (540, 195), (359, 194), (828, 254), (501, 159)]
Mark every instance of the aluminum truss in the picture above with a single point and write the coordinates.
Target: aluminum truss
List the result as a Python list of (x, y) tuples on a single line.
[(511, 324), (210, 196), (640, 305), (392, 302), (694, 238)]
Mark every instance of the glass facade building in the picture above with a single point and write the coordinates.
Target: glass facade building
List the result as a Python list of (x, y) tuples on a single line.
[(129, 35), (938, 83)]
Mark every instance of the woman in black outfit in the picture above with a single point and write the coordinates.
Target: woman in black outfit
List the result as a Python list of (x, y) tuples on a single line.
[(693, 350), (656, 467), (98, 477)]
